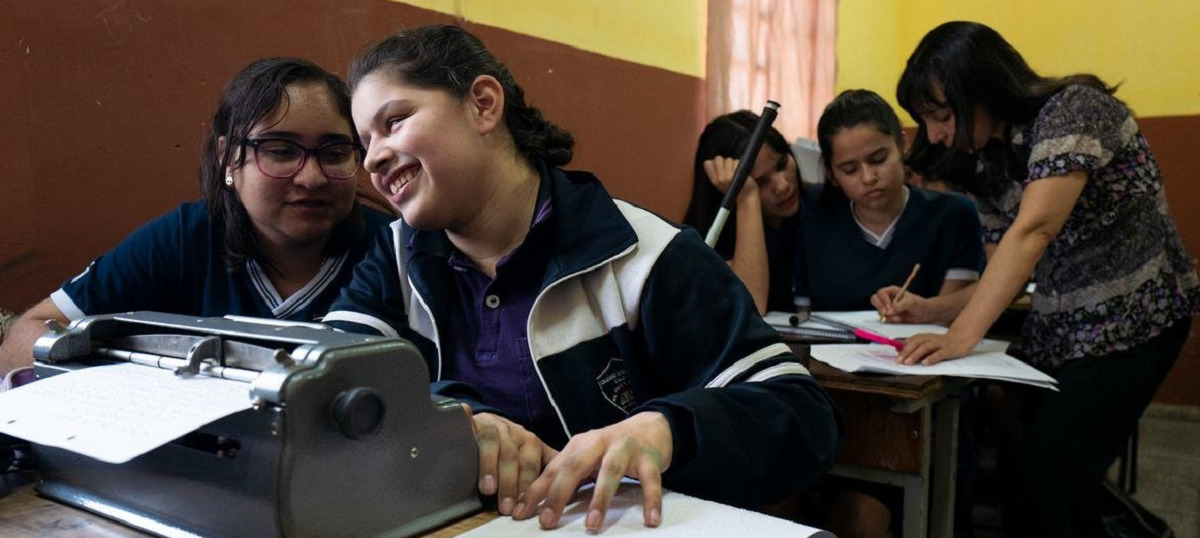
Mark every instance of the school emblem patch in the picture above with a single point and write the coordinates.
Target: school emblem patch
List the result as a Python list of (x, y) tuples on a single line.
[(614, 385)]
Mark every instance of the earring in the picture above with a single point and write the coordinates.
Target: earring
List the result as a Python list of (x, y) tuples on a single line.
[(229, 180)]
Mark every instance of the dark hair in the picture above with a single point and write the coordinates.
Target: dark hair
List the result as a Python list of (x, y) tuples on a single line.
[(725, 136), (973, 65), (850, 109), (448, 58), (255, 93)]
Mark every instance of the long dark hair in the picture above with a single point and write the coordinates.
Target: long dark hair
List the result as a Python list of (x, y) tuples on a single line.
[(850, 109), (255, 93), (972, 64), (448, 58), (725, 136)]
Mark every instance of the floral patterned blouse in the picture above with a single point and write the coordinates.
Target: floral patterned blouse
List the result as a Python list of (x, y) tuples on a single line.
[(1117, 274)]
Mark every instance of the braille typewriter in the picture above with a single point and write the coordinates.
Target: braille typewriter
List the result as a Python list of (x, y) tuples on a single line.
[(342, 437)]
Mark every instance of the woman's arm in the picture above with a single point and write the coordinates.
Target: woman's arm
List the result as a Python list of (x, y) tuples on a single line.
[(17, 349), (1045, 206)]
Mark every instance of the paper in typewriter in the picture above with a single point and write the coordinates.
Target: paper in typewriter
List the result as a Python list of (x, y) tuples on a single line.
[(117, 413), (682, 517)]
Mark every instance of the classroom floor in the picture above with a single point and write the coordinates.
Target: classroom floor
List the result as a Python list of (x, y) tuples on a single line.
[(1169, 467), (1168, 480)]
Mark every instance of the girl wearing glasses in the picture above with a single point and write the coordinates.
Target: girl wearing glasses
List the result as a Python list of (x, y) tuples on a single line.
[(579, 328), (278, 230)]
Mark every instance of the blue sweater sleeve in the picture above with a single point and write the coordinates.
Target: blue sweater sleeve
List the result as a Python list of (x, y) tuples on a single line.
[(968, 235), (143, 272), (373, 301), (748, 422)]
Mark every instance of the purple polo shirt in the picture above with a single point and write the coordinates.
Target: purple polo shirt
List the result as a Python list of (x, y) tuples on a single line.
[(23, 378), (488, 346)]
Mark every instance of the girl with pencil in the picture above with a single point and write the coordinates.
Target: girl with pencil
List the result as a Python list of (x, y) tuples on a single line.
[(591, 339), (867, 228), (1071, 194)]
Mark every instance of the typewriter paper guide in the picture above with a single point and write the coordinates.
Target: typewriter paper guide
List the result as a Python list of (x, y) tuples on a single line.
[(117, 413)]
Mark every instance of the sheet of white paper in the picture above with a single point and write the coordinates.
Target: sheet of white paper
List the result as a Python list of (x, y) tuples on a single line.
[(882, 359), (682, 517), (119, 412)]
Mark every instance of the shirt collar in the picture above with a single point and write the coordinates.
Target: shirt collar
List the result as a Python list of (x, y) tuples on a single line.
[(437, 243), (884, 239)]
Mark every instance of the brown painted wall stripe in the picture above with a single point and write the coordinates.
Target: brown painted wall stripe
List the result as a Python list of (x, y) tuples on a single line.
[(105, 106), (1176, 142)]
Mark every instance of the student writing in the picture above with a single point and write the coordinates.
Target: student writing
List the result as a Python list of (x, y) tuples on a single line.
[(867, 229)]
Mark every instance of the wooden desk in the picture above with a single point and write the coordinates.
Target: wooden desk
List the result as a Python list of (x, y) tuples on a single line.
[(23, 514), (901, 431)]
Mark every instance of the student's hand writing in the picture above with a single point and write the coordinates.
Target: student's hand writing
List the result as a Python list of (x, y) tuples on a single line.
[(929, 349), (510, 458), (911, 308), (720, 172), (639, 447)]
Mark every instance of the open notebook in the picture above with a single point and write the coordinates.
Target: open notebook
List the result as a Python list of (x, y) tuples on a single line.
[(682, 517), (861, 358), (988, 360)]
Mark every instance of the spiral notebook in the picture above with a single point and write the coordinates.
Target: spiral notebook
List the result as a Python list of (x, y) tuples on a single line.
[(791, 327)]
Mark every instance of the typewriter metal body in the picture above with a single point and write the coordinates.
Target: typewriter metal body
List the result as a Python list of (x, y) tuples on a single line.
[(343, 438)]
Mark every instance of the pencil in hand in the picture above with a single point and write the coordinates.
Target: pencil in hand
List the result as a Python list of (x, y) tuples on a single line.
[(903, 289)]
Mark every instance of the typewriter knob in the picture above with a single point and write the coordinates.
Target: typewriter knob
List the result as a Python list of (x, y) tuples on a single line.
[(358, 412)]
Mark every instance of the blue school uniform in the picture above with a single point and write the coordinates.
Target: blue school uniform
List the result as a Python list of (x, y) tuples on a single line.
[(176, 264), (629, 314), (839, 269)]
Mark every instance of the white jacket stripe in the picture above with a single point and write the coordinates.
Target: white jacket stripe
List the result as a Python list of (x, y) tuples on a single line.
[(592, 302), (66, 305), (361, 319), (745, 364)]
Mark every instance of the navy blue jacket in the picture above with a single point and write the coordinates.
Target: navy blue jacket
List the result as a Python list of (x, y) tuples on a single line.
[(176, 263), (634, 314)]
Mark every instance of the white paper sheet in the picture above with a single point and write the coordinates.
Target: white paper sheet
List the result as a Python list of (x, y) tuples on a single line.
[(682, 517), (116, 413), (882, 359)]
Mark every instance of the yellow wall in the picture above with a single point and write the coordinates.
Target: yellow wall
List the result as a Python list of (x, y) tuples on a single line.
[(1152, 46), (661, 33)]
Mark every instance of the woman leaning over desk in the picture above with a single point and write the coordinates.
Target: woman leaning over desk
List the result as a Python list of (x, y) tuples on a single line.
[(1070, 191), (277, 233)]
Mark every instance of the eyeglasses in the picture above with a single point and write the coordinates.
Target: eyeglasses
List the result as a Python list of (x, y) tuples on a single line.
[(282, 159)]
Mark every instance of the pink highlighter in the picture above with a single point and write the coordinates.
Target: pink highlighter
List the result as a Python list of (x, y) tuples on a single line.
[(878, 338)]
